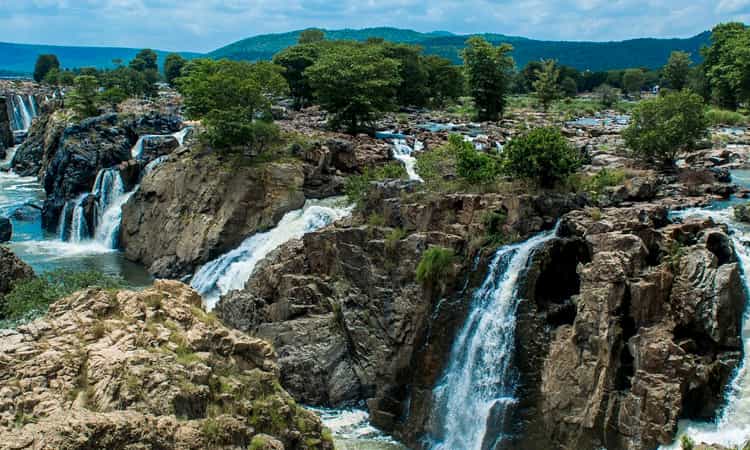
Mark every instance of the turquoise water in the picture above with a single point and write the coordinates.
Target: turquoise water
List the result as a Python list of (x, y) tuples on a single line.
[(43, 251)]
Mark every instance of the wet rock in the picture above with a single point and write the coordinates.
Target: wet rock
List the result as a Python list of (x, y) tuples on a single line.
[(6, 135), (156, 146), (742, 213), (144, 369), (195, 208), (26, 213), (6, 229)]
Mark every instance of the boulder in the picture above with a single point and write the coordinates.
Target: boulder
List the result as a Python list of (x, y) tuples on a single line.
[(6, 134), (6, 229), (145, 369), (197, 207), (742, 213)]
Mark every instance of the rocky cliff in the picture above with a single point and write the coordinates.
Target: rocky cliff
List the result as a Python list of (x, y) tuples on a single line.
[(343, 306), (12, 270), (640, 329), (196, 207), (144, 369)]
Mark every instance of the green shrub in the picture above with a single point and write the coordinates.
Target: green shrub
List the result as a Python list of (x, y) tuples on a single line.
[(725, 117), (31, 298), (435, 264), (664, 127), (687, 443), (597, 183), (472, 165), (543, 155)]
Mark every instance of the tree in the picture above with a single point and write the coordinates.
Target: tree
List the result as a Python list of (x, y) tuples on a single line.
[(662, 128), (727, 64), (569, 87), (677, 70), (489, 71), (545, 86), (113, 96), (632, 81), (413, 89), (311, 36), (473, 166), (233, 98), (173, 65), (295, 60), (44, 64), (445, 81), (529, 75), (145, 60), (355, 83), (84, 95), (542, 155)]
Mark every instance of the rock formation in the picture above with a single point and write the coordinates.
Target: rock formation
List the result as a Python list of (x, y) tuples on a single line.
[(6, 229), (12, 270), (190, 210), (144, 369)]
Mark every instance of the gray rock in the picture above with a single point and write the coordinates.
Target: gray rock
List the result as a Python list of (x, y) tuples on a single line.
[(6, 229)]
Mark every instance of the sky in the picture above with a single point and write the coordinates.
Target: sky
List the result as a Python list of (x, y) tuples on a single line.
[(204, 25)]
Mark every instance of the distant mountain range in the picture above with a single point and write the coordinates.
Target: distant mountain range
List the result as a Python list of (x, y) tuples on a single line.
[(595, 56), (21, 58)]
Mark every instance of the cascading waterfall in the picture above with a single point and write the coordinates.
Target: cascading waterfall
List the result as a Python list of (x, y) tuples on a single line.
[(79, 228), (474, 396), (232, 270), (403, 153), (732, 427), (24, 111)]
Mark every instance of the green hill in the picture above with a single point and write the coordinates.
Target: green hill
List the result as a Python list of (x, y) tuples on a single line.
[(20, 58), (651, 53)]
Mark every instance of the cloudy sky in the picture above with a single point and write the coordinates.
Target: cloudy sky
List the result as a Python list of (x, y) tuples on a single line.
[(202, 25)]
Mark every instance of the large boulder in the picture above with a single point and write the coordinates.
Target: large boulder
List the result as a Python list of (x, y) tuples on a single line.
[(191, 210), (145, 369), (6, 134), (12, 270)]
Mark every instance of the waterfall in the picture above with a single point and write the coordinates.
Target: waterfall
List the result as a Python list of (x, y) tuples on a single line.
[(732, 427), (474, 395), (232, 270), (403, 153), (137, 151), (24, 110), (110, 192), (79, 228)]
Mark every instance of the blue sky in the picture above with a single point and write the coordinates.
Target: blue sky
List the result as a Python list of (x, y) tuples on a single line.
[(202, 25)]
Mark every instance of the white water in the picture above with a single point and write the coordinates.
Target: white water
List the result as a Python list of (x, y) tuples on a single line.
[(232, 270), (352, 430), (732, 428), (137, 151), (24, 110), (404, 153), (478, 386)]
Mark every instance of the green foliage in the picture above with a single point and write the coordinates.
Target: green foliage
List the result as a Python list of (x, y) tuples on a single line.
[(433, 166), (608, 95), (30, 298), (489, 71), (596, 184), (726, 65), (113, 96), (493, 223), (472, 165), (355, 83), (716, 116), (173, 65), (295, 60), (357, 186), (687, 443), (445, 81), (545, 86), (84, 95), (435, 265), (413, 89), (144, 60), (664, 127), (230, 97), (632, 81), (569, 87), (44, 64), (542, 155), (677, 70), (311, 36)]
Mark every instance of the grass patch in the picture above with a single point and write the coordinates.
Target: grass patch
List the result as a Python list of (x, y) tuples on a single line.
[(718, 117), (30, 299), (435, 265), (596, 184)]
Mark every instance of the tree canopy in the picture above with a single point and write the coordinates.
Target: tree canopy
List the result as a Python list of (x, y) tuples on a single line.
[(173, 65), (45, 64), (546, 84), (489, 71), (677, 70)]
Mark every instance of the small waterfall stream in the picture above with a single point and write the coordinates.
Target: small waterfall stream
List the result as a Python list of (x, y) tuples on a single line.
[(24, 111), (473, 397), (232, 270), (404, 153)]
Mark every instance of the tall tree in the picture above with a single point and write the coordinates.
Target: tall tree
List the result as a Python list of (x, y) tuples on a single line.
[(44, 64), (413, 90), (727, 64), (632, 81), (173, 65), (355, 83), (445, 81), (489, 72), (546, 84), (311, 36), (677, 70), (569, 87), (83, 97), (295, 60), (145, 60)]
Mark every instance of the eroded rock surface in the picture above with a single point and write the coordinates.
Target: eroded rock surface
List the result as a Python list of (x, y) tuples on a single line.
[(143, 369), (12, 270)]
